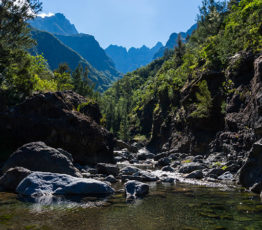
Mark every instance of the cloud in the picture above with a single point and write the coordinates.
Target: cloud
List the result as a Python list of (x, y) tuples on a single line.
[(44, 15)]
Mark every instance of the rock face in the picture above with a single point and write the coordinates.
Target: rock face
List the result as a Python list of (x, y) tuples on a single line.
[(136, 189), (53, 119), (37, 156), (42, 183), (251, 172), (11, 179)]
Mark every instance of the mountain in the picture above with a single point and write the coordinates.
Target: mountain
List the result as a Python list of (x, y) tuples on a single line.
[(134, 58), (56, 24), (172, 41), (67, 45), (55, 52), (90, 50)]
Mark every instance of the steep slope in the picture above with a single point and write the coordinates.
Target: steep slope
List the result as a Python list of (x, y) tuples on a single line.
[(56, 24), (56, 53), (204, 99), (172, 41), (90, 50), (134, 58)]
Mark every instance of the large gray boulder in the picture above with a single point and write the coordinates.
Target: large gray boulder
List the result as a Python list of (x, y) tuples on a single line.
[(135, 189), (37, 156), (43, 183), (11, 178)]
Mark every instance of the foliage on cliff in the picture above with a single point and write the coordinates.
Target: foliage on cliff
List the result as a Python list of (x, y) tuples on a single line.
[(223, 30)]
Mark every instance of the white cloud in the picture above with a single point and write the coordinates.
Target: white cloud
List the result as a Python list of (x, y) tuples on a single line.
[(44, 15)]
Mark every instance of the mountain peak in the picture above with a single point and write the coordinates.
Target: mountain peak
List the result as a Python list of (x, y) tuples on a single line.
[(54, 23)]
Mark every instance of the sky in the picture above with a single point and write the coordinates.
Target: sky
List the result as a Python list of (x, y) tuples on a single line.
[(128, 23)]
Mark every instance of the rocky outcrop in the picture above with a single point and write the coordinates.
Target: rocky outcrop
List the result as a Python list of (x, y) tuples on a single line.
[(37, 156), (53, 119), (11, 178), (43, 184), (251, 172)]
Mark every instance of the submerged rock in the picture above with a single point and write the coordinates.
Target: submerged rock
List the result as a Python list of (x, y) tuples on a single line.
[(135, 189), (11, 178), (168, 169), (111, 179), (37, 156), (42, 183)]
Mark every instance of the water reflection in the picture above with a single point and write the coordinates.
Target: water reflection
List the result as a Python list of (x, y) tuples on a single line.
[(167, 207)]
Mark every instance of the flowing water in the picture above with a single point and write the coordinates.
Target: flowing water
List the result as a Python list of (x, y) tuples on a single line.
[(168, 207)]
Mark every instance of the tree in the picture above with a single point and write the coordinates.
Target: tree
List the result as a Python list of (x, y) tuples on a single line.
[(15, 39), (81, 82), (180, 50)]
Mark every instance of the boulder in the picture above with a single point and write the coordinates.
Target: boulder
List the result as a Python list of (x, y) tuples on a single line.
[(251, 172), (43, 183), (227, 176), (163, 162), (53, 118), (135, 189), (160, 155), (107, 169), (168, 180), (141, 176), (190, 167), (198, 174), (123, 145), (168, 169), (111, 179), (129, 170), (144, 154), (37, 156), (215, 172), (11, 178)]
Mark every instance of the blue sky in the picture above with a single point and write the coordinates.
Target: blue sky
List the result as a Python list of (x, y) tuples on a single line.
[(127, 22)]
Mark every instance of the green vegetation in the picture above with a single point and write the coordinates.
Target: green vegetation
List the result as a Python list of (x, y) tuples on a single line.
[(204, 101), (22, 74), (223, 30)]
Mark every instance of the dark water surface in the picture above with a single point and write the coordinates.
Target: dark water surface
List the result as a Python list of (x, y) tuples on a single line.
[(166, 208)]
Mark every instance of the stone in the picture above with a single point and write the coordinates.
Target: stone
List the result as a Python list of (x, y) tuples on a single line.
[(108, 169), (216, 172), (226, 176), (163, 162), (190, 167), (111, 179), (43, 183), (168, 169), (129, 170), (197, 174), (160, 155), (37, 156), (12, 177), (52, 118), (168, 180), (141, 175), (134, 189), (144, 154)]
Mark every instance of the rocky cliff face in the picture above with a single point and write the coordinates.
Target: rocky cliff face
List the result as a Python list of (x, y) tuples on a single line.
[(230, 123), (53, 118), (216, 114)]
